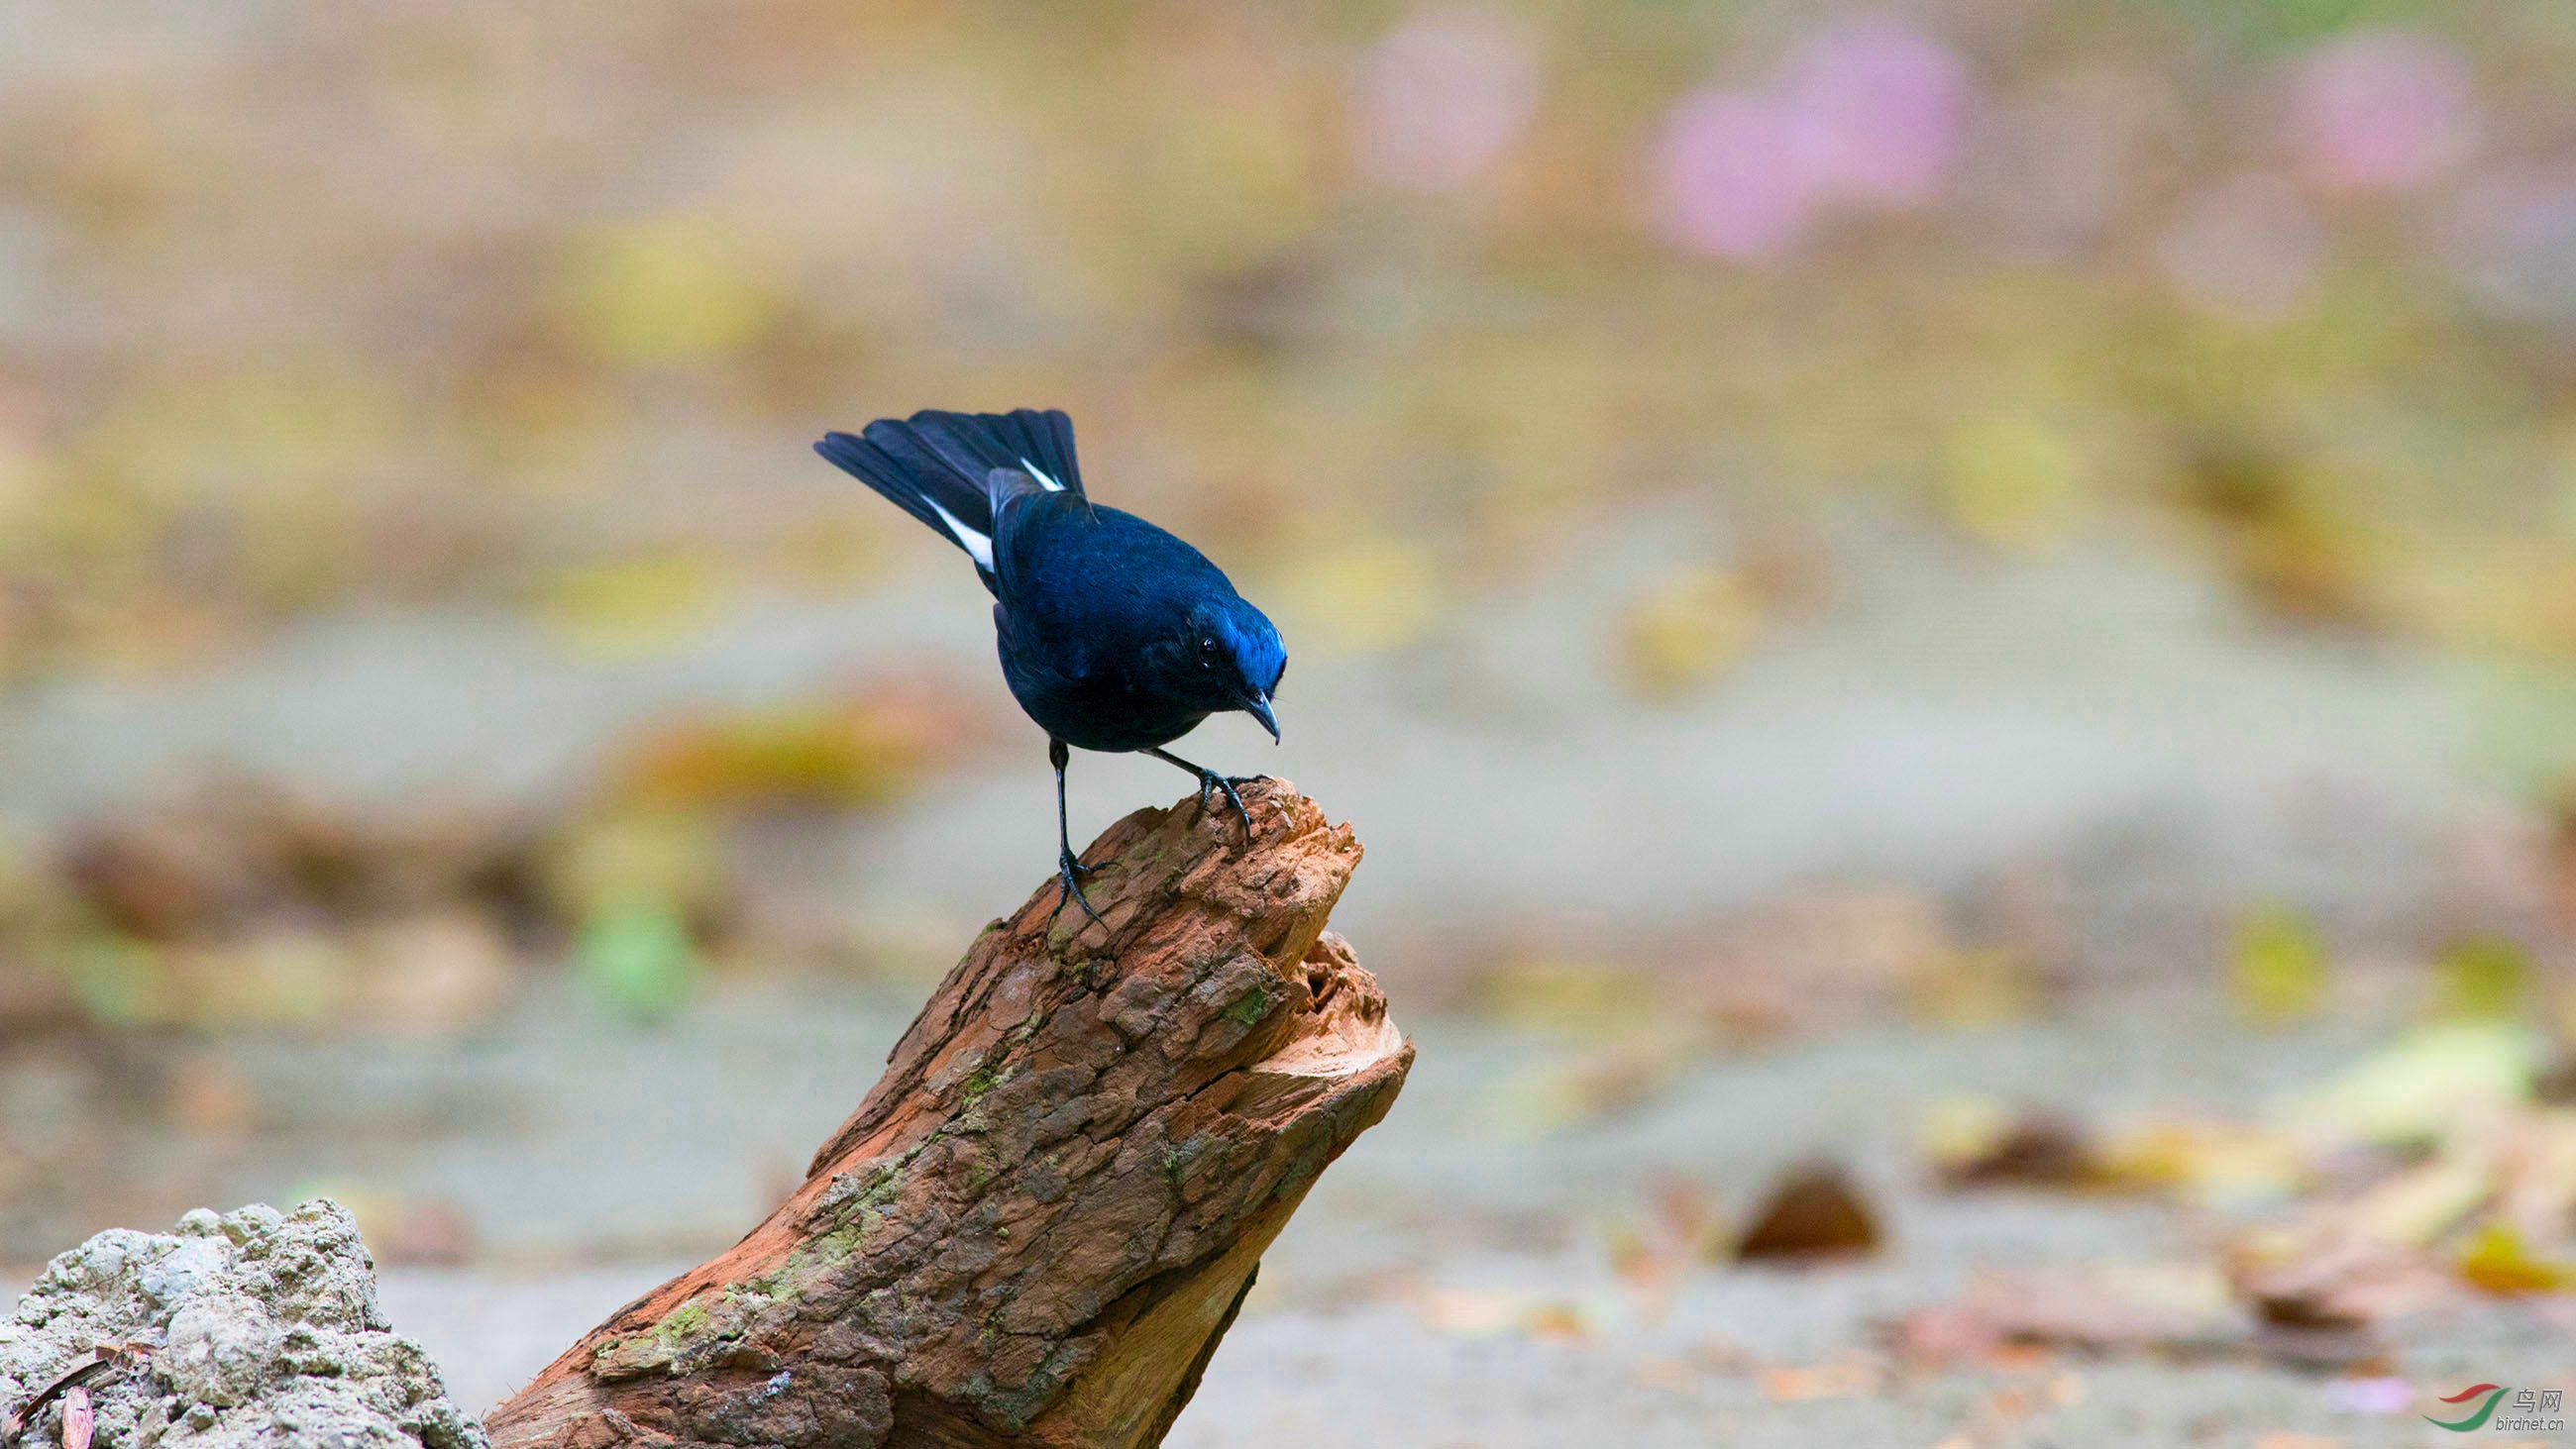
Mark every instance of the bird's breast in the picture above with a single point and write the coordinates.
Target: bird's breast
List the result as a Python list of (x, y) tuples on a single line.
[(1099, 707)]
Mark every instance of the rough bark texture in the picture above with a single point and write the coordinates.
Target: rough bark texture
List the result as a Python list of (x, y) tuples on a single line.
[(1043, 1217)]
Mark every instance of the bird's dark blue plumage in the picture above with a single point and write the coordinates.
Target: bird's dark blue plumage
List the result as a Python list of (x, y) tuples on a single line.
[(1114, 635)]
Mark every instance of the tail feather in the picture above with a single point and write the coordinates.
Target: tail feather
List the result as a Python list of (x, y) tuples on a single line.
[(1037, 443), (940, 467), (896, 468)]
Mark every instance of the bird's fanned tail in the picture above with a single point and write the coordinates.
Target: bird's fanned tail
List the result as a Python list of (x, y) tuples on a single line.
[(939, 467), (1037, 443)]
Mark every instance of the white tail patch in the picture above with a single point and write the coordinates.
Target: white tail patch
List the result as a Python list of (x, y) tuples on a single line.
[(979, 546), (1034, 471)]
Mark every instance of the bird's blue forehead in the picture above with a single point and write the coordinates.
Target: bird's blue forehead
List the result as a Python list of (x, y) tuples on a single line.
[(1254, 643)]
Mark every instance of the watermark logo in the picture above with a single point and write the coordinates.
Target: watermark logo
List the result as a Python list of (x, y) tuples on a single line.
[(2531, 1409), (2488, 1394)]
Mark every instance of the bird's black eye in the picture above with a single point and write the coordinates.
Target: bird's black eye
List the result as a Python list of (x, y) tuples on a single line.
[(1208, 649)]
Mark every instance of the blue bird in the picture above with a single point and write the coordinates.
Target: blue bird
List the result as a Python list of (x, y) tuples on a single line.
[(1114, 635)]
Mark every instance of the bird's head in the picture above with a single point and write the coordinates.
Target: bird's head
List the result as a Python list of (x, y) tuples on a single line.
[(1238, 659)]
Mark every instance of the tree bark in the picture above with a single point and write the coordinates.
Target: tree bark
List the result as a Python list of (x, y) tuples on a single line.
[(1046, 1213)]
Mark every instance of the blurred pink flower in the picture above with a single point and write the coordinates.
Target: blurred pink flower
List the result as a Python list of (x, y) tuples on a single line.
[(2378, 109), (1874, 108), (1866, 114), (1441, 97), (1727, 180), (2246, 248)]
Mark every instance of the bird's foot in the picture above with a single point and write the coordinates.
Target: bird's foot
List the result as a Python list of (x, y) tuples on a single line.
[(1211, 780), (1069, 873)]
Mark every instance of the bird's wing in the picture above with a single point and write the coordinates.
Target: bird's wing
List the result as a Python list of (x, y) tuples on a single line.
[(1040, 539)]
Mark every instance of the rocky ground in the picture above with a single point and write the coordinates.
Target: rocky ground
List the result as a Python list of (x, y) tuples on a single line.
[(250, 1328)]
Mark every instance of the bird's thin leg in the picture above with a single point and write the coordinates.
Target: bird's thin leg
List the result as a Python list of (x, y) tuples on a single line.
[(1211, 780), (1069, 870)]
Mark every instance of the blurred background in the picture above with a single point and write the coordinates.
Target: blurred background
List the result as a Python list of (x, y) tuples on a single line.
[(1951, 627)]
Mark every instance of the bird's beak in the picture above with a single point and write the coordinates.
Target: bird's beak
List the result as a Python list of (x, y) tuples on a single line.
[(1260, 709)]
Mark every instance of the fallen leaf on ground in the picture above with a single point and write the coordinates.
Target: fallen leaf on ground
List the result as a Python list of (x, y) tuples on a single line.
[(1976, 1142), (2498, 1261), (1854, 1378), (2179, 1307), (1494, 1312), (1679, 1231), (2326, 1280), (858, 752), (1814, 1212), (2429, 1079), (245, 902), (2211, 1163), (1555, 1320), (2425, 1201)]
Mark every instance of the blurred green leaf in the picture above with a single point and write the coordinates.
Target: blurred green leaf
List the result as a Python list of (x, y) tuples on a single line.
[(2482, 976), (2413, 1089), (120, 981), (2279, 967), (637, 957)]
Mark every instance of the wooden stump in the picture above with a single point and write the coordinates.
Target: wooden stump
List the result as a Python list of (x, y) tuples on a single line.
[(1045, 1214)]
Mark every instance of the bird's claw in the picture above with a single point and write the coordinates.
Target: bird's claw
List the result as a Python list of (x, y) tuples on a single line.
[(1069, 874), (1211, 780)]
